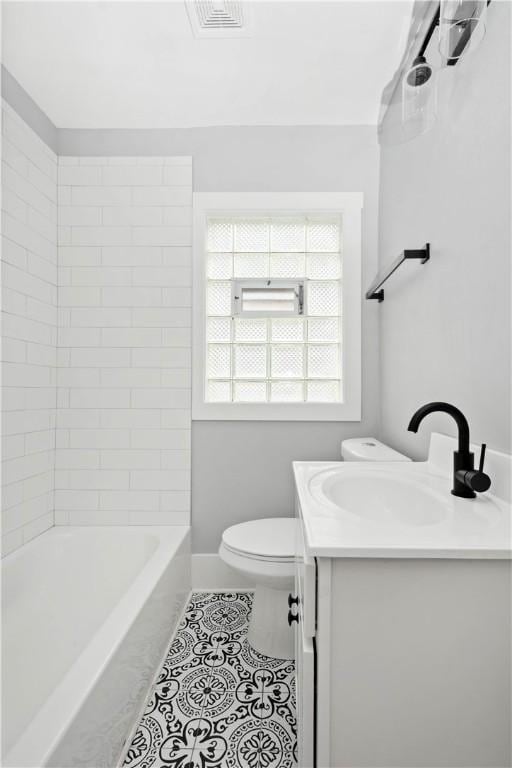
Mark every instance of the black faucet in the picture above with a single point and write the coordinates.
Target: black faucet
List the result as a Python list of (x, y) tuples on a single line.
[(466, 480)]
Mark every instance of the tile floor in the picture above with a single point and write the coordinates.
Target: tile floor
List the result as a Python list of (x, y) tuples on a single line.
[(217, 703)]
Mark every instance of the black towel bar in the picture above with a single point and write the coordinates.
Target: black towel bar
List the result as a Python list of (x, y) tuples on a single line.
[(375, 291)]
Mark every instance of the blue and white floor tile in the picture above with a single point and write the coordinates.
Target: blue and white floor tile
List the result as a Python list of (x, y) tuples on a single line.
[(217, 703)]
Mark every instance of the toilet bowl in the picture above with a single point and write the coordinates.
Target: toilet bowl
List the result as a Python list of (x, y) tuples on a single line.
[(264, 552)]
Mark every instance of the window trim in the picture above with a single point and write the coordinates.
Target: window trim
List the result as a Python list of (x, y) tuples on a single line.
[(349, 204)]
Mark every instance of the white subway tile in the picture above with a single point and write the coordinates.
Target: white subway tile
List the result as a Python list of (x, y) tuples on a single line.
[(178, 175), (163, 357), (99, 398), (14, 351), (148, 215), (101, 358), (130, 500), (80, 337), (13, 253), (177, 216), (131, 337), (160, 480), (130, 377), (132, 256), (162, 317), (172, 398), (77, 459), (163, 439), (163, 276), (102, 479), (79, 296), (177, 378), (101, 236), (100, 276), (130, 459), (162, 235), (79, 215), (100, 439), (79, 176), (78, 377), (79, 256), (177, 297), (170, 196), (102, 317), (176, 337), (37, 527), (78, 500), (128, 296), (100, 196), (132, 418), (175, 460), (130, 175), (176, 419)]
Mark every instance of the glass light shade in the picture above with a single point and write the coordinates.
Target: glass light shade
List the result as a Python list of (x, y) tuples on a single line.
[(461, 27), (419, 99)]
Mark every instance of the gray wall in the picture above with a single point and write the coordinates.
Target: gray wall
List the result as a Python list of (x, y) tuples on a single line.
[(242, 470), (445, 327)]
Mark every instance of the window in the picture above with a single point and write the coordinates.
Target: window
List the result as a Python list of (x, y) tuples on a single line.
[(276, 320)]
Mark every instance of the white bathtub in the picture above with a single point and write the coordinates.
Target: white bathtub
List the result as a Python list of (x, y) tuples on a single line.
[(87, 614)]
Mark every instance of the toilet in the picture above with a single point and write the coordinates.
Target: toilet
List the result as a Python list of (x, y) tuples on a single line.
[(264, 552), (369, 449)]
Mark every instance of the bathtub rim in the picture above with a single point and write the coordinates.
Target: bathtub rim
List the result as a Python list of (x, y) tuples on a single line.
[(38, 741)]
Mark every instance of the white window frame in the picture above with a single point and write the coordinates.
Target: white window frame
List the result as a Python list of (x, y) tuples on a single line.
[(349, 205)]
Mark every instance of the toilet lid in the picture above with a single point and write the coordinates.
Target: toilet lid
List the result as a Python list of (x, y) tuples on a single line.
[(272, 537)]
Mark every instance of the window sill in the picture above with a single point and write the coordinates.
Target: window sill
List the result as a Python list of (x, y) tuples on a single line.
[(276, 412)]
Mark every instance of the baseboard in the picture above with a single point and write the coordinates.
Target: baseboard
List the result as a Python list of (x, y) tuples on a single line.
[(210, 572)]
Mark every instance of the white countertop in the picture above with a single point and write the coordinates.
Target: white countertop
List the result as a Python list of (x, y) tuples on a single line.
[(402, 509)]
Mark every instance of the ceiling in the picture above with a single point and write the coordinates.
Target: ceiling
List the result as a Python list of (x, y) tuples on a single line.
[(139, 65)]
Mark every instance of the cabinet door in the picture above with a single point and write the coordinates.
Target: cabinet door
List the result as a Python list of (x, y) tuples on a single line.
[(305, 579)]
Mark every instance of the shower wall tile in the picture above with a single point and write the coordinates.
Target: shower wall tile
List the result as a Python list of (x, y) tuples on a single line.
[(29, 331), (124, 342)]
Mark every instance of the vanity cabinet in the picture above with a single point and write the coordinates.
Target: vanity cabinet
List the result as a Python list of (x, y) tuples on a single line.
[(402, 661)]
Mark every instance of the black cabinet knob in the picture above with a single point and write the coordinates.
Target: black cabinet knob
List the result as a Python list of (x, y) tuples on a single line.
[(292, 600), (292, 617)]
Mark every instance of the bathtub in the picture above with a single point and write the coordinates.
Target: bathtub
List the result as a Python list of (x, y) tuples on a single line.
[(87, 616)]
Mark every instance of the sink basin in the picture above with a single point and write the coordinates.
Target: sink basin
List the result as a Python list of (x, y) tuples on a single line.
[(403, 509), (381, 498)]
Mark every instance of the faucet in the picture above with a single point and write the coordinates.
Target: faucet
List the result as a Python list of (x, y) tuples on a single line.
[(466, 480)]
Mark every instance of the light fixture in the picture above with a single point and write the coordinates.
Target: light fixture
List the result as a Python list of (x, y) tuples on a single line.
[(461, 28), (418, 98)]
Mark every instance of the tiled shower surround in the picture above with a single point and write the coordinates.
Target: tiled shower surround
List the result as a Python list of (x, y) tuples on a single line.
[(123, 418), (96, 259), (216, 702), (29, 331)]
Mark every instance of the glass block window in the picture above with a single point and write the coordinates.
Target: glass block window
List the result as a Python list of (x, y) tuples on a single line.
[(273, 309)]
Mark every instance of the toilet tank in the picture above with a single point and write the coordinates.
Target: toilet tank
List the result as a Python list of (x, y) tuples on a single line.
[(369, 449)]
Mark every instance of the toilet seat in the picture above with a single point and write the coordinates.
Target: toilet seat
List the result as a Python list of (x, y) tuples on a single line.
[(263, 552), (269, 540)]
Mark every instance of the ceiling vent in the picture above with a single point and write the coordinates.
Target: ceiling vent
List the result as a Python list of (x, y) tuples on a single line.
[(218, 18)]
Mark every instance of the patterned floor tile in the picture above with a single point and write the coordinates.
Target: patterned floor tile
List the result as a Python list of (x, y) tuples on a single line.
[(217, 703)]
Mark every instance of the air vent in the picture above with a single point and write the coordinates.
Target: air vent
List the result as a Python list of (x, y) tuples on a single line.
[(218, 18)]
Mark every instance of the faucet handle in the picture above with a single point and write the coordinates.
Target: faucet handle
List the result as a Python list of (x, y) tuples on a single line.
[(482, 457), (475, 479)]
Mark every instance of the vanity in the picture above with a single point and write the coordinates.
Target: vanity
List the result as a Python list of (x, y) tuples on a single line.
[(402, 610)]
